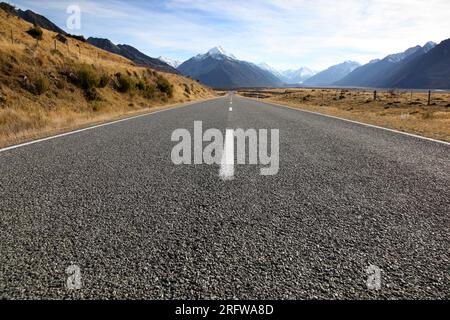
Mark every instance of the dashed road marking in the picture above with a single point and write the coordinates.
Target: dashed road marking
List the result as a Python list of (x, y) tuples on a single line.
[(227, 164)]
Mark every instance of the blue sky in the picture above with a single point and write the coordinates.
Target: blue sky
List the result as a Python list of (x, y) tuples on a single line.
[(286, 34)]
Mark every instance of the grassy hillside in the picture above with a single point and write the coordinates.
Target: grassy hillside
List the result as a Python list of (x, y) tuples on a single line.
[(43, 90)]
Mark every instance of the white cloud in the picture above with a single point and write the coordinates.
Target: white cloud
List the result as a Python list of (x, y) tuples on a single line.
[(283, 33)]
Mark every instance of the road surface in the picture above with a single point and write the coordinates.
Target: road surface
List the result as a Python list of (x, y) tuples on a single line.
[(110, 201)]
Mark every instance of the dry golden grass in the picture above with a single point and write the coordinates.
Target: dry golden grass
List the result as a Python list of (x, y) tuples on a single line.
[(25, 63), (400, 110)]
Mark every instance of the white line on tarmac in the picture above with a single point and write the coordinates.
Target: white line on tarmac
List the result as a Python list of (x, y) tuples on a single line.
[(231, 109), (227, 164)]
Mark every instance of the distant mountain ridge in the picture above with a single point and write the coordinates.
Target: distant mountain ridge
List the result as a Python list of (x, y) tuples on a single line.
[(377, 72), (218, 69), (297, 76), (333, 74), (428, 71), (171, 62), (133, 54)]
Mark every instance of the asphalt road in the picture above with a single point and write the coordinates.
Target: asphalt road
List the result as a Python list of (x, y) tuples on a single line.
[(110, 201)]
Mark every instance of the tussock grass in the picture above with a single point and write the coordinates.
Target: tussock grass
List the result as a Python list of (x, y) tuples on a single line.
[(395, 109)]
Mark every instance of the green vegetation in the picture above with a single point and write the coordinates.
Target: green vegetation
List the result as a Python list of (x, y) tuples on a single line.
[(187, 89), (124, 83), (86, 78), (76, 37), (36, 32), (39, 86), (103, 81), (164, 86)]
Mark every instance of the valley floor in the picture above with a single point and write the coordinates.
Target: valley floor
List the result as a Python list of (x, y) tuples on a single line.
[(399, 110)]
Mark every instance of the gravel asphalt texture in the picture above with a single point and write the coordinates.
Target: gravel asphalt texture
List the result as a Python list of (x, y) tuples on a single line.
[(109, 200)]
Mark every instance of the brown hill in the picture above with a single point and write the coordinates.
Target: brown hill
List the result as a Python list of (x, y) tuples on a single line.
[(58, 83)]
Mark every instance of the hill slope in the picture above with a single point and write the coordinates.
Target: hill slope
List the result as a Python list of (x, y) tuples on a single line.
[(32, 18), (43, 91), (220, 70)]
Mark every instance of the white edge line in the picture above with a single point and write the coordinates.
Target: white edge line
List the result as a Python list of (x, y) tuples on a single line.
[(100, 125), (355, 122)]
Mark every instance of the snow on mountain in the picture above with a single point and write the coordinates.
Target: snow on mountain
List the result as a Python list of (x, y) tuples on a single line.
[(296, 76), (272, 70), (217, 53), (429, 45), (219, 69), (171, 62)]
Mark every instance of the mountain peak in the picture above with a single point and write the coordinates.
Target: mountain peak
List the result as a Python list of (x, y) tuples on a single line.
[(429, 45), (171, 62), (217, 50), (217, 53)]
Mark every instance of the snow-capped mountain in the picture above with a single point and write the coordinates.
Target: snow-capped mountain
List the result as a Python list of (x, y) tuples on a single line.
[(171, 62), (378, 72), (272, 70), (296, 76), (220, 69), (331, 75), (217, 53)]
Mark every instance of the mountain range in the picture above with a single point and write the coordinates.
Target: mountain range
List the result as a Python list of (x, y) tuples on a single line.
[(427, 71), (297, 76), (133, 54), (378, 72), (218, 69), (334, 73), (419, 67)]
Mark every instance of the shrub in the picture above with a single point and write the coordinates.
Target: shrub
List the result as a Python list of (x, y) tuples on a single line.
[(149, 91), (124, 83), (36, 32), (61, 38), (187, 89), (40, 86), (79, 38), (103, 81), (87, 77), (164, 86), (60, 84), (141, 85), (96, 106), (92, 94)]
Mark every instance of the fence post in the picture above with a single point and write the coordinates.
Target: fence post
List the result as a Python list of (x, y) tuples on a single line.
[(55, 45), (375, 95), (429, 97)]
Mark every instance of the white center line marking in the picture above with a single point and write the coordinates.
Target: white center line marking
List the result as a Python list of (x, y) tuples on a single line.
[(227, 164), (231, 109)]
